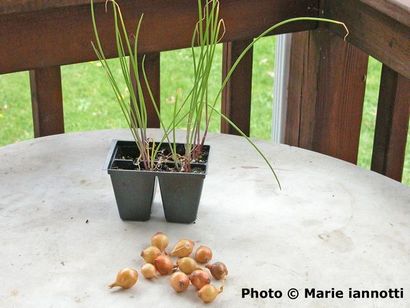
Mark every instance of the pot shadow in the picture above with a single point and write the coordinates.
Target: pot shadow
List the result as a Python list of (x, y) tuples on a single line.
[(157, 211)]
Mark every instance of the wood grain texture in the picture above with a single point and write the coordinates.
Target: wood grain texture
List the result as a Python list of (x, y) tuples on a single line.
[(63, 35), (152, 70), (391, 124), (47, 101), (20, 6), (376, 33), (236, 97), (396, 9), (326, 94), (300, 88)]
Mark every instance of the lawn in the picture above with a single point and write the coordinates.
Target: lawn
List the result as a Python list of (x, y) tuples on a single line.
[(89, 103)]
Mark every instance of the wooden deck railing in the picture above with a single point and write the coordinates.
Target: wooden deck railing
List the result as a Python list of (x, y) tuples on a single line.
[(327, 82), (327, 74)]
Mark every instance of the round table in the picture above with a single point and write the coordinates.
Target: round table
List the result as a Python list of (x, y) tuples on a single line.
[(333, 225)]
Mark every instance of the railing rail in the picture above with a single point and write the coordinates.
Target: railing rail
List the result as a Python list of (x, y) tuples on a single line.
[(327, 74), (58, 36)]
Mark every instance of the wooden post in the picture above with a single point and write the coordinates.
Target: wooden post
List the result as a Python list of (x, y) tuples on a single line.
[(47, 101), (236, 96), (326, 94), (391, 124), (152, 69)]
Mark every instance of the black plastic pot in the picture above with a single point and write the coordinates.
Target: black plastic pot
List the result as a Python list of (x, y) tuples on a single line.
[(134, 188)]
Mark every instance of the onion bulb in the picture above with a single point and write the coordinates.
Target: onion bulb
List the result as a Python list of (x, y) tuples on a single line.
[(160, 240), (208, 293), (183, 248), (179, 281), (149, 271), (199, 278), (187, 265), (164, 265), (126, 278), (203, 254), (149, 254), (218, 270)]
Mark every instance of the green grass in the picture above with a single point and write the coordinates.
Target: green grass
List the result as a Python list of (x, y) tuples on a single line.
[(89, 103)]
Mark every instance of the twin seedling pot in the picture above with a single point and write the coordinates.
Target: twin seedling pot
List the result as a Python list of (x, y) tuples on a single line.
[(134, 188)]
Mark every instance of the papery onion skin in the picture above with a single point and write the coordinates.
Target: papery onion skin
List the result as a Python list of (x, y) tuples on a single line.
[(160, 240), (208, 293), (218, 270), (148, 271), (187, 265), (203, 254), (149, 254), (179, 281), (199, 278), (126, 278), (183, 248), (164, 265)]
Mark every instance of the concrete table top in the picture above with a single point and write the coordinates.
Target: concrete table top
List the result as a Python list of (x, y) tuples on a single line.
[(334, 225)]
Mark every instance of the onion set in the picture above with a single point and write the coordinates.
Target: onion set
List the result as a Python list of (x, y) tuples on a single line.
[(208, 293), (199, 278), (149, 271), (184, 270), (218, 270), (179, 281), (160, 240), (150, 254), (126, 278), (203, 254), (187, 265), (164, 265), (183, 248)]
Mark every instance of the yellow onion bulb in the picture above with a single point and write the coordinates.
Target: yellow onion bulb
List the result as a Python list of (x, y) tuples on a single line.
[(203, 254), (150, 254), (148, 271), (199, 278), (164, 265), (183, 248), (208, 293), (187, 265), (126, 278), (179, 281), (160, 240)]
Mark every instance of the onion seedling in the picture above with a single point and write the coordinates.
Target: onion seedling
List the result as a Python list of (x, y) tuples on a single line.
[(197, 108)]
